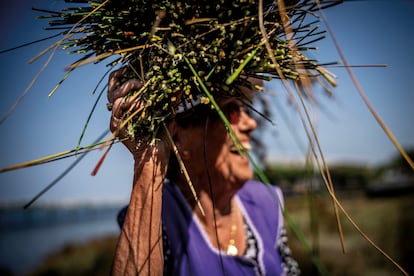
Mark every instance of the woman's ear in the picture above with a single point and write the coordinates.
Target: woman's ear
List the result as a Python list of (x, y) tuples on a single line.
[(182, 150), (185, 154), (177, 134)]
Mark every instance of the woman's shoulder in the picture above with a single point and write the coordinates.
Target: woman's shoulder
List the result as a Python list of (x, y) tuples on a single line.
[(258, 193), (264, 204)]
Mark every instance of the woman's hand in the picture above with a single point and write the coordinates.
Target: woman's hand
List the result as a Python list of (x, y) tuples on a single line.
[(120, 106), (139, 249)]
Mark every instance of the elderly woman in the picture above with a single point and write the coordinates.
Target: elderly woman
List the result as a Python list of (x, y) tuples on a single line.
[(238, 231)]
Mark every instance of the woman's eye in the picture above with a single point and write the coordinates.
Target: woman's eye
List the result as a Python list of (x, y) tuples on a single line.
[(232, 112), (247, 110), (234, 107)]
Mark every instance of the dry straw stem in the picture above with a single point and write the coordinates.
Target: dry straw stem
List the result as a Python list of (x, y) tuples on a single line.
[(324, 172), (323, 166), (52, 47), (105, 55), (36, 77), (380, 122), (198, 29), (53, 157), (299, 73), (304, 79), (364, 97), (307, 84), (183, 168)]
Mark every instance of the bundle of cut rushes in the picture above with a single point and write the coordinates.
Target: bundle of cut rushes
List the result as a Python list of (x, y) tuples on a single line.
[(188, 49)]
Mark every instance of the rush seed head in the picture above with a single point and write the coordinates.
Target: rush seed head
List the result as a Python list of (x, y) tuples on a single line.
[(221, 40)]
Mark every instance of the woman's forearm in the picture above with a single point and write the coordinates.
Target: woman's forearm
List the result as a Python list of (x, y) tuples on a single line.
[(139, 249)]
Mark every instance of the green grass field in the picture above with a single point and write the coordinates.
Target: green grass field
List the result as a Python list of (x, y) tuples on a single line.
[(389, 222)]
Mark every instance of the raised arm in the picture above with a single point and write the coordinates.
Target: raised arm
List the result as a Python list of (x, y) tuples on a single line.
[(139, 249)]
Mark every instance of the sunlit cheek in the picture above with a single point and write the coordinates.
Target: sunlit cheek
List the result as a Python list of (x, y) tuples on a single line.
[(234, 118)]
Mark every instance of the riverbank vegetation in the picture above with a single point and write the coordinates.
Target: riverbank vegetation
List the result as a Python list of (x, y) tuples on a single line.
[(385, 215), (388, 221)]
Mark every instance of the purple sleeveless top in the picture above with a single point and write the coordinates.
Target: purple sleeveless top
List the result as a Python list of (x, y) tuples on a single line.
[(192, 253)]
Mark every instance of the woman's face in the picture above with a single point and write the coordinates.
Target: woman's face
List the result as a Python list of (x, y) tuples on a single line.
[(210, 146)]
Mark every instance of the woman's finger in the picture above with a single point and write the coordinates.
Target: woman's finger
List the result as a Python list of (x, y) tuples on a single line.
[(124, 89), (114, 81)]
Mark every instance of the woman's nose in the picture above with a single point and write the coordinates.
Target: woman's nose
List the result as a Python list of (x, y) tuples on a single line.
[(246, 122)]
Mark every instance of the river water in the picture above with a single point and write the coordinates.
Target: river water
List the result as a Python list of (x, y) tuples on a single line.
[(28, 236)]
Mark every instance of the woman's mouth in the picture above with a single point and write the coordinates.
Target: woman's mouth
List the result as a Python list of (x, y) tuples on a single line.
[(244, 147)]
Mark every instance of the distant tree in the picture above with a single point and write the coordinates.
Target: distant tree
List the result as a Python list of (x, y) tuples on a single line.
[(344, 176), (290, 174), (400, 164), (349, 176)]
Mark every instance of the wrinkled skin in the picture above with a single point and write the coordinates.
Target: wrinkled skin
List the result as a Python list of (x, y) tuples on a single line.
[(208, 154)]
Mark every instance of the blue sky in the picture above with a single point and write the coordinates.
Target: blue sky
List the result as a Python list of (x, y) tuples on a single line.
[(369, 32)]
